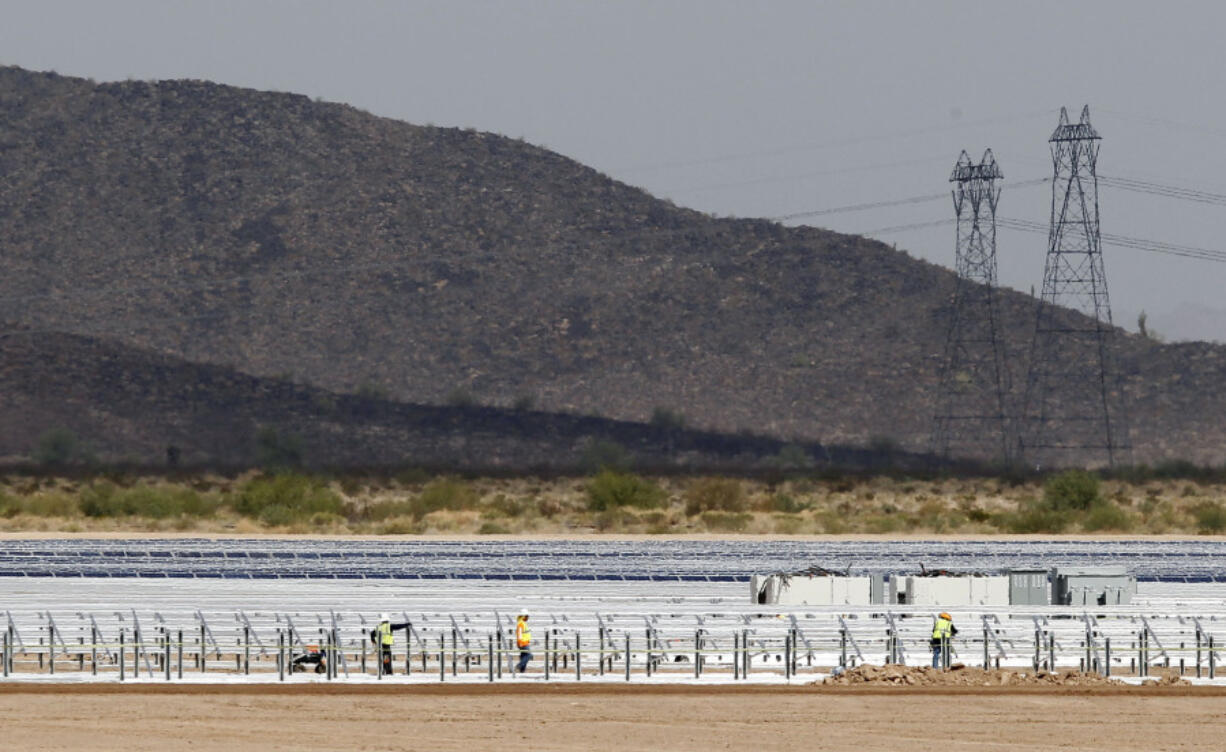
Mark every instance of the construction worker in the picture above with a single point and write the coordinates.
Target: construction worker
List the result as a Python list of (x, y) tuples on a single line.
[(381, 636), (943, 630), (523, 641)]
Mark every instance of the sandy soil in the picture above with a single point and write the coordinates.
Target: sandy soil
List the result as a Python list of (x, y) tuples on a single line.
[(554, 717)]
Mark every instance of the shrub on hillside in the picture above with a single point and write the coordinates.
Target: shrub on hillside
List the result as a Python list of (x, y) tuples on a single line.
[(1106, 515), (60, 446), (610, 489), (286, 498), (106, 500), (444, 493), (604, 454), (714, 494), (1210, 517), (1034, 517), (1071, 489), (52, 504), (277, 451)]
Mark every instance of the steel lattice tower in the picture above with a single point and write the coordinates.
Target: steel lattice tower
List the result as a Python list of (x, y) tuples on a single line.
[(1074, 403), (971, 419)]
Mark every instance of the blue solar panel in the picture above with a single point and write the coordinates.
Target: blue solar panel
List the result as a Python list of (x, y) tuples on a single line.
[(615, 561)]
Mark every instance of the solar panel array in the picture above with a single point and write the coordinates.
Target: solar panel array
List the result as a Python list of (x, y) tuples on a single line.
[(596, 560)]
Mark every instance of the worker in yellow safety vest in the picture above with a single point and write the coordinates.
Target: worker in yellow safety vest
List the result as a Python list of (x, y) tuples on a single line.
[(381, 635), (523, 640), (943, 630)]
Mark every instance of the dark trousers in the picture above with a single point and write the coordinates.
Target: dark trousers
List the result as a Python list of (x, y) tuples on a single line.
[(937, 657), (385, 655), (524, 657)]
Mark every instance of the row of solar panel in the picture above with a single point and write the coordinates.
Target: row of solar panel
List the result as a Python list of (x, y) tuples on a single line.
[(460, 553), (604, 577), (248, 575)]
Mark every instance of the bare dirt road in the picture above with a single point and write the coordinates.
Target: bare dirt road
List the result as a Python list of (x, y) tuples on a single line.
[(554, 717)]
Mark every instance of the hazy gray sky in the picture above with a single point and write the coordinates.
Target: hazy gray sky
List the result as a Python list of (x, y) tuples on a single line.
[(751, 108)]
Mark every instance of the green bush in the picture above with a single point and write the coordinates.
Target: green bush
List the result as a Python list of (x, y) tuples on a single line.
[(492, 528), (782, 502), (41, 505), (603, 454), (286, 498), (1034, 517), (1210, 517), (275, 451), (1106, 515), (1071, 489), (792, 457), (60, 446), (104, 499), (714, 494), (726, 522), (611, 489), (444, 493)]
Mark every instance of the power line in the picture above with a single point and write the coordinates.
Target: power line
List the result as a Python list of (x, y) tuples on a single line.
[(1124, 241), (895, 202), (817, 146), (1159, 189)]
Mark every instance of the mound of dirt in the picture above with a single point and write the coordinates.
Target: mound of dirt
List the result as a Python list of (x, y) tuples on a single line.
[(966, 676)]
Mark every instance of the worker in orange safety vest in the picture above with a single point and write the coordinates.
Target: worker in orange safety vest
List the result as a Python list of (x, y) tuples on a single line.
[(523, 640)]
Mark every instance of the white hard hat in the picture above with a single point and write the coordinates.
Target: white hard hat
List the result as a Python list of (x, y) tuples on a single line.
[(384, 617), (523, 612)]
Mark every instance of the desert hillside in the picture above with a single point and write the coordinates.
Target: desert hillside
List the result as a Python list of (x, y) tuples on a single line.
[(318, 245)]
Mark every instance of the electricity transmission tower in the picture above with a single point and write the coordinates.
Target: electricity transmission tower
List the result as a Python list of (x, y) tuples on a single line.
[(1074, 403), (971, 419)]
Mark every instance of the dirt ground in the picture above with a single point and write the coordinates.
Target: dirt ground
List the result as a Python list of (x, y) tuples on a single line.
[(559, 717)]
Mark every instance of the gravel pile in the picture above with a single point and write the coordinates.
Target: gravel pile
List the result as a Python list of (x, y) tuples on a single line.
[(966, 676)]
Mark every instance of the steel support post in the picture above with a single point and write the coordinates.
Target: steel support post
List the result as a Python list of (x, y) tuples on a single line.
[(166, 654), (602, 652), (1107, 657), (442, 658), (648, 653), (697, 655), (787, 655), (4, 657), (578, 654), (1212, 660), (122, 667), (202, 650), (491, 657), (246, 651), (736, 656), (546, 655), (843, 648), (280, 655), (1051, 651), (986, 657), (627, 656), (746, 654), (1198, 652), (454, 651)]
